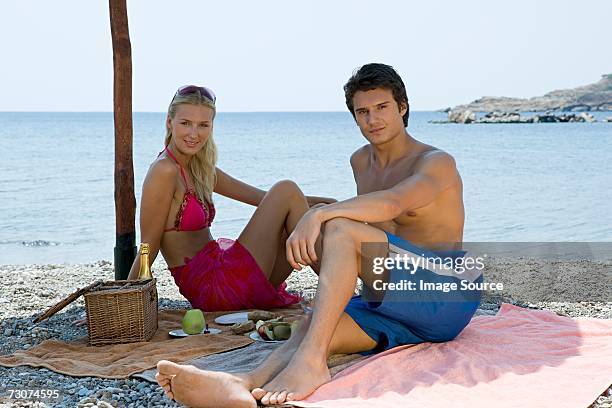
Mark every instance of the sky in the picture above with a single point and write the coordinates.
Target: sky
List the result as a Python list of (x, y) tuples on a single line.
[(282, 55)]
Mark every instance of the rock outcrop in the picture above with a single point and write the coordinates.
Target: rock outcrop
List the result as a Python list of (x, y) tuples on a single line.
[(467, 116), (593, 97)]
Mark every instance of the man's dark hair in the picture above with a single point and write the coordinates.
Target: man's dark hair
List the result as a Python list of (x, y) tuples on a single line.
[(372, 76)]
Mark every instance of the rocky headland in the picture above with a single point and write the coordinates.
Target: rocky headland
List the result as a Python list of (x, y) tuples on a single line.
[(468, 116), (592, 97)]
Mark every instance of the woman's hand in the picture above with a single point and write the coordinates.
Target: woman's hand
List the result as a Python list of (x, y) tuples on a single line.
[(300, 245), (314, 201), (319, 205)]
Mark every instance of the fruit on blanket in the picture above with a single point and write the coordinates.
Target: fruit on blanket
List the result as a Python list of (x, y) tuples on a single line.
[(244, 327), (193, 321), (265, 332), (256, 315), (282, 332), (270, 331), (259, 326)]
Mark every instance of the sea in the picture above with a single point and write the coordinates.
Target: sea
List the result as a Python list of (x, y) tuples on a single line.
[(522, 182)]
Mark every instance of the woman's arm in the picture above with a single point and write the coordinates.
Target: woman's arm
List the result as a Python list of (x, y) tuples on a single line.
[(237, 190), (157, 192)]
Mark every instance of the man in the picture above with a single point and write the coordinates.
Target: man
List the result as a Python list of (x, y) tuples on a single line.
[(410, 202)]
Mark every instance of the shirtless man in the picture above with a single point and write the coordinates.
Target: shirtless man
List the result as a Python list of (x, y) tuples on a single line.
[(409, 199)]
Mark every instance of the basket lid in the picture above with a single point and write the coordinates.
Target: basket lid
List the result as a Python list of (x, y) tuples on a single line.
[(63, 303)]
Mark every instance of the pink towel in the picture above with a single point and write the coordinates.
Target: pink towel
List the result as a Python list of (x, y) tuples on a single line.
[(518, 358)]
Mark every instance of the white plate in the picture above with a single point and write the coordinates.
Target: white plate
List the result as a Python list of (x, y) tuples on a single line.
[(181, 333), (255, 336), (232, 318)]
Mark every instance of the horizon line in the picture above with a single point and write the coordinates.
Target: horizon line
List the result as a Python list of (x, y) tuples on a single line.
[(229, 111)]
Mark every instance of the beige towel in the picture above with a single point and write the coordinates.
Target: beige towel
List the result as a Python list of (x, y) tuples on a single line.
[(122, 360)]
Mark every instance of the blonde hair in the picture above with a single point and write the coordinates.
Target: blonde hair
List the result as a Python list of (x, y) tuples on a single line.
[(202, 166)]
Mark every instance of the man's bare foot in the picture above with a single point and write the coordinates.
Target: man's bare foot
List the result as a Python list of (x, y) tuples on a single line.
[(277, 360), (297, 381), (198, 388), (266, 372)]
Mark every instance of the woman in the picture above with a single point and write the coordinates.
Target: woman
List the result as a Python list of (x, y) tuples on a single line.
[(177, 211)]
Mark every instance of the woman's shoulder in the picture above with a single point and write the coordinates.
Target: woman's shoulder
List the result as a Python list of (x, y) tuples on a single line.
[(162, 170)]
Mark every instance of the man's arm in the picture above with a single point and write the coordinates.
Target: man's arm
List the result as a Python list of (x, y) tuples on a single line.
[(436, 173)]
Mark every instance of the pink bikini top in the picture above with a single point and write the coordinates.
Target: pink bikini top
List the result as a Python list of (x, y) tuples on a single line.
[(193, 215)]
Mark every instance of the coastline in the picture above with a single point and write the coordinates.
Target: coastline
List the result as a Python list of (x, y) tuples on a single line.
[(27, 290)]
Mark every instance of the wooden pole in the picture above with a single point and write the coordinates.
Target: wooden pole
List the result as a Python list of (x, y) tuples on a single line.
[(125, 201)]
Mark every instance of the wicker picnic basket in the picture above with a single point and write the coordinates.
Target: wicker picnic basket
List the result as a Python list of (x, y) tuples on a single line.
[(121, 312), (117, 311)]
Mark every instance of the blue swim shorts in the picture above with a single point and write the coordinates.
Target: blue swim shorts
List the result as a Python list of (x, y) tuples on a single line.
[(421, 313)]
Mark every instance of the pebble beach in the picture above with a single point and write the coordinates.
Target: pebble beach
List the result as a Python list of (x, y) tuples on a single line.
[(28, 290)]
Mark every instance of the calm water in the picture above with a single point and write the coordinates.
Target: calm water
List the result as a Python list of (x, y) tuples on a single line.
[(533, 182)]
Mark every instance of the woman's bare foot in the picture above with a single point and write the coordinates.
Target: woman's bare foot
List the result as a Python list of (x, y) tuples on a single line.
[(298, 380), (198, 388)]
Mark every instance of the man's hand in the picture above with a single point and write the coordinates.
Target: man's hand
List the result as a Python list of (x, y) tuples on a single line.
[(300, 245)]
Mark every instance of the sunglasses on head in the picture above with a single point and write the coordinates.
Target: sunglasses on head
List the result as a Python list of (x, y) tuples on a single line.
[(202, 90)]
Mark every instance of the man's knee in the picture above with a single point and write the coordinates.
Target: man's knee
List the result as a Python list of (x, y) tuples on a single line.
[(339, 226), (354, 230)]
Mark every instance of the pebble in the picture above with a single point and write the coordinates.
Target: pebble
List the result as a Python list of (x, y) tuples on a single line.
[(38, 287)]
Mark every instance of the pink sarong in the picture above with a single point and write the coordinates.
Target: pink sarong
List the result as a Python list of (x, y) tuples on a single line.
[(223, 275)]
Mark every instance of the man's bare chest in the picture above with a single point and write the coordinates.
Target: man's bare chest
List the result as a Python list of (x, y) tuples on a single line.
[(371, 179)]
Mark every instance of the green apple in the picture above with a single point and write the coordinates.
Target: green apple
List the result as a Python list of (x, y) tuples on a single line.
[(193, 321), (282, 331)]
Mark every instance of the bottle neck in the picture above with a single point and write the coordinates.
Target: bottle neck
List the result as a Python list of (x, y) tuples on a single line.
[(145, 271)]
